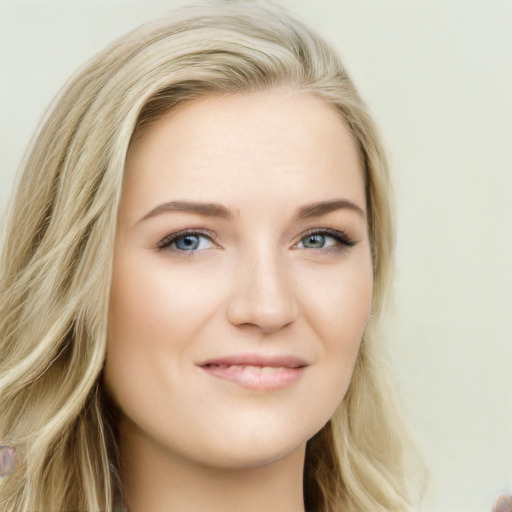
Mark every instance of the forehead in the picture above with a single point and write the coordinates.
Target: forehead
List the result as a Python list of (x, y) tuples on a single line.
[(232, 148)]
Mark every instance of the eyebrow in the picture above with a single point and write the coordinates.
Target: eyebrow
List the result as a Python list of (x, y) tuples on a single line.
[(206, 209), (217, 210), (323, 207)]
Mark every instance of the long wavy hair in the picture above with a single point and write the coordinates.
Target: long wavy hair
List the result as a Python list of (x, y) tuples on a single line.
[(57, 254)]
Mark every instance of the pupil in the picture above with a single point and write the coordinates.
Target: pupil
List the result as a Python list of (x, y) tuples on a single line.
[(316, 241), (188, 242)]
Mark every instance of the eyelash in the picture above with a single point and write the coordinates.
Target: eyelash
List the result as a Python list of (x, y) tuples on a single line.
[(342, 239), (169, 239)]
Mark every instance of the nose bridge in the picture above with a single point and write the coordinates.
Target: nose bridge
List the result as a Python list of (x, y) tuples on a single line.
[(264, 294)]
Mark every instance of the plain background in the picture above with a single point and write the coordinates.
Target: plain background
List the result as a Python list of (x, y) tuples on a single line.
[(438, 79)]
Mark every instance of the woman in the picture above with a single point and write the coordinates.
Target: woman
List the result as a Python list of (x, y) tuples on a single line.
[(189, 316)]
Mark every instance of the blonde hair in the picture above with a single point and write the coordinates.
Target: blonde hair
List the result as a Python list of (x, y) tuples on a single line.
[(56, 261)]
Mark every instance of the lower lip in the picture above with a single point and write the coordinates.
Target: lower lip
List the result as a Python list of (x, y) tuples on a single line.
[(277, 379)]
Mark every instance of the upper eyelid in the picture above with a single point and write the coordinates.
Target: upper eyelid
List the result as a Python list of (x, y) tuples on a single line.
[(325, 231)]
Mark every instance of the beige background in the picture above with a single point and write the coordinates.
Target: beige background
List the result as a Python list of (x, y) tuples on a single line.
[(438, 78)]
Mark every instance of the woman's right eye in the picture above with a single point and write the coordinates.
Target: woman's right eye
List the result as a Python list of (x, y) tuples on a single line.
[(190, 241)]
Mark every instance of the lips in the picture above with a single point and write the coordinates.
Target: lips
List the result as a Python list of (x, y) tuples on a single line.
[(257, 371)]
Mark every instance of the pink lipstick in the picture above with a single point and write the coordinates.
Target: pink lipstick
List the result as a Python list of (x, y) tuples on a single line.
[(257, 371)]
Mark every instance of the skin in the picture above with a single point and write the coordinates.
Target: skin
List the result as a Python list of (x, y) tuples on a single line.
[(189, 440)]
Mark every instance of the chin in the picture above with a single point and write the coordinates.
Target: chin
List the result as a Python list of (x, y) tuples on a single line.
[(252, 447), (252, 455)]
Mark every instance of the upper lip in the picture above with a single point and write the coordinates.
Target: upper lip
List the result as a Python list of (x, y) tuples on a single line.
[(255, 359)]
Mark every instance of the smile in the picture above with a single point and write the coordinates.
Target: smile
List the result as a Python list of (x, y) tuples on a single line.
[(256, 371)]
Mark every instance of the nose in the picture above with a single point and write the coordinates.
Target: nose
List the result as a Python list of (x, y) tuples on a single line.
[(262, 295)]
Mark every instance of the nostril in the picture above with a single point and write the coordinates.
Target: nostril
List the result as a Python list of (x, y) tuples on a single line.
[(267, 317), (263, 296)]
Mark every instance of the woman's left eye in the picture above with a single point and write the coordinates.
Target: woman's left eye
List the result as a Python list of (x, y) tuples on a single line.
[(190, 241), (325, 239)]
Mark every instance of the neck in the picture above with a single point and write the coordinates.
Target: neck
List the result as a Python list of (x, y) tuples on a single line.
[(157, 480)]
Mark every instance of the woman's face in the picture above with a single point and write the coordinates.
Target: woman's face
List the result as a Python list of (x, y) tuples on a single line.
[(242, 279)]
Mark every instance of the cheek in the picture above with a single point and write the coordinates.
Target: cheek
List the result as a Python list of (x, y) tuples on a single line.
[(336, 311), (152, 302), (339, 316), (340, 304), (154, 314)]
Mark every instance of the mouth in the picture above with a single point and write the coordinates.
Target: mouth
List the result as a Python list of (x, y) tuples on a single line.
[(256, 371)]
